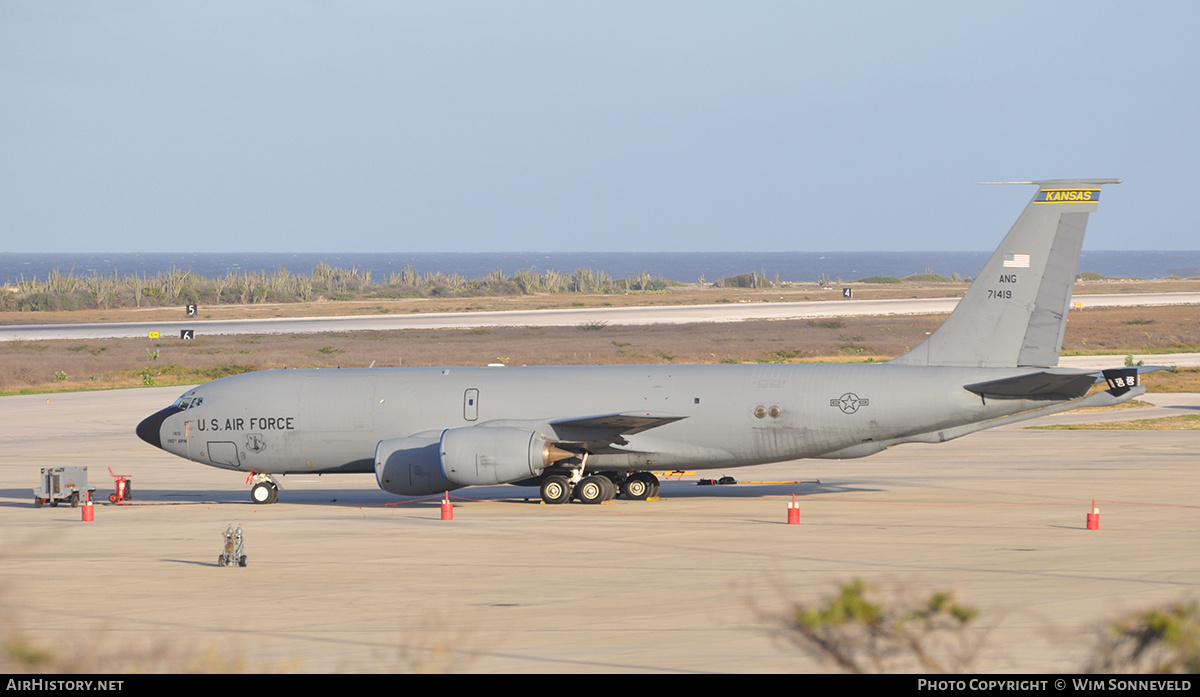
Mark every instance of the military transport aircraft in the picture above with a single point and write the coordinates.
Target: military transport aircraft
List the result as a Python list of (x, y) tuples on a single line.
[(592, 433)]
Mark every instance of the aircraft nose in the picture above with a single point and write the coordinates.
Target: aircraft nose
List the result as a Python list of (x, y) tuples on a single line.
[(150, 428)]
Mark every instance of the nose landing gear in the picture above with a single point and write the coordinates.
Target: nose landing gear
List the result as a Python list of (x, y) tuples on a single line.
[(265, 489)]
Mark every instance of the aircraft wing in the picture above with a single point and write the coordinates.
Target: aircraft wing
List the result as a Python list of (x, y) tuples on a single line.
[(600, 431)]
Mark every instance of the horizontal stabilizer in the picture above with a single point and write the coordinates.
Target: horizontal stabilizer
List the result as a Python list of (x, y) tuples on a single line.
[(1061, 383), (1044, 384)]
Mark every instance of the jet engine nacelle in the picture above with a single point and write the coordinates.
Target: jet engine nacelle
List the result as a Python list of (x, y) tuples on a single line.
[(411, 466), (493, 455), (470, 456)]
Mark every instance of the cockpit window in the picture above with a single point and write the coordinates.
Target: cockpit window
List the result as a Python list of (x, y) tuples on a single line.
[(188, 401)]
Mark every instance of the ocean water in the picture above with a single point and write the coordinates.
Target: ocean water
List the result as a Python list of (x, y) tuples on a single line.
[(682, 266)]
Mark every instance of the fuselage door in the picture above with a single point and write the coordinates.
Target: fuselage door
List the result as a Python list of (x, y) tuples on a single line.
[(223, 453), (471, 404)]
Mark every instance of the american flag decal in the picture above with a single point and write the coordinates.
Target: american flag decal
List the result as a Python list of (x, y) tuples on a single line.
[(1016, 261)]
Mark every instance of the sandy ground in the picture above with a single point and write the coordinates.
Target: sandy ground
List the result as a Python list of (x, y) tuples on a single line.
[(343, 577)]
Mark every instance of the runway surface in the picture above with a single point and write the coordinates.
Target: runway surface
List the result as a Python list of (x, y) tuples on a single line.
[(678, 314), (343, 577)]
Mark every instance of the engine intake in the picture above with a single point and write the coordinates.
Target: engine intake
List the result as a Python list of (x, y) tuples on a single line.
[(411, 466)]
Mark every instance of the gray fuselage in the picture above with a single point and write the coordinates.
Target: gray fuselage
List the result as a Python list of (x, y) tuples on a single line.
[(290, 421)]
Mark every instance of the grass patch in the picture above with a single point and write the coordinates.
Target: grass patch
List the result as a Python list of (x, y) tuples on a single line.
[(1178, 380), (217, 351), (35, 346), (786, 354), (223, 370), (161, 370)]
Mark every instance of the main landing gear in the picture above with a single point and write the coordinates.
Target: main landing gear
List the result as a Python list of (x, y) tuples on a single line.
[(265, 490), (598, 488), (556, 489)]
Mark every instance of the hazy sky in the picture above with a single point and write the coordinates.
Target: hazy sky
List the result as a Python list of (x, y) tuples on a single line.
[(572, 126)]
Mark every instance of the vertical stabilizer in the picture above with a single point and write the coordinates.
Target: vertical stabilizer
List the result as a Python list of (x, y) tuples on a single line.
[(1015, 312)]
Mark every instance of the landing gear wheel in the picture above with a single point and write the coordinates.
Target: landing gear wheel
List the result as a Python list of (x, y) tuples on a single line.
[(221, 560), (636, 487), (556, 489), (264, 492), (614, 481), (242, 560), (610, 488), (591, 490)]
